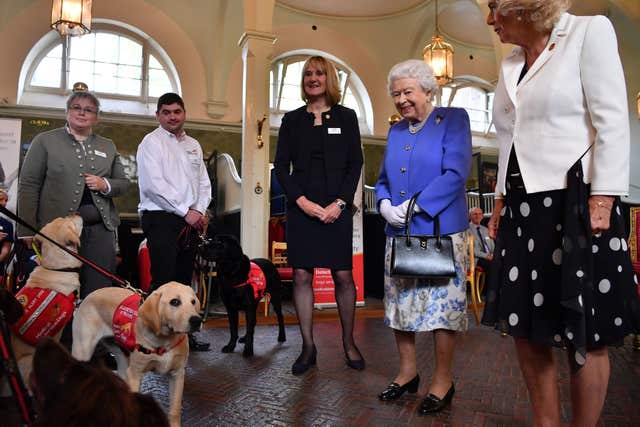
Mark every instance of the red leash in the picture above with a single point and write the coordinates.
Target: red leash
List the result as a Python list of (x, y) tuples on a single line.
[(122, 282)]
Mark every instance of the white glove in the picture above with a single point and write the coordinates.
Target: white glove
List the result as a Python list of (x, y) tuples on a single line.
[(394, 215), (405, 205)]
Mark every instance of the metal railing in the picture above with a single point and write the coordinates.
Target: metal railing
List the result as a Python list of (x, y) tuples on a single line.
[(474, 200)]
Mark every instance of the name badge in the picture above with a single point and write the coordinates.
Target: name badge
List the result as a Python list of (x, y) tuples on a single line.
[(100, 153), (334, 131)]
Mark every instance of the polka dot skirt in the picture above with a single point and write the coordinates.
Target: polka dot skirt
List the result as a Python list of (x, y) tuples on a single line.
[(554, 283)]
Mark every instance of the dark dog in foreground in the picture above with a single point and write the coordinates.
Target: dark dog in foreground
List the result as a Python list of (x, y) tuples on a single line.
[(70, 393), (233, 272)]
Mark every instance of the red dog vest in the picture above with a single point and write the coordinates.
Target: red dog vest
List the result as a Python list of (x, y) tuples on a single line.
[(45, 313), (124, 318), (257, 281)]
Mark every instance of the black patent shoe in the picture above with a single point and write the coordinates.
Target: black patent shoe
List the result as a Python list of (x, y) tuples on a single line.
[(432, 403), (195, 345), (395, 390), (300, 366)]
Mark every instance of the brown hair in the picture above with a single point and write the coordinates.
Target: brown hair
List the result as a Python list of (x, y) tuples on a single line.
[(332, 93)]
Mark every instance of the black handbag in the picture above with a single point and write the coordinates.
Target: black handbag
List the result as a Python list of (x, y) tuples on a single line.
[(429, 257)]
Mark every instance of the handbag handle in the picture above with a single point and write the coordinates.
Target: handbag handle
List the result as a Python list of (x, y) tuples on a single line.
[(409, 216)]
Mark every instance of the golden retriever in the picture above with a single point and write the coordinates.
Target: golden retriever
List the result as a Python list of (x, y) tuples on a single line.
[(57, 271), (163, 320)]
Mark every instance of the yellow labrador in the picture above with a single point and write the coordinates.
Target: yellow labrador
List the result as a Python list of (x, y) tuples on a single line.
[(160, 329), (58, 271)]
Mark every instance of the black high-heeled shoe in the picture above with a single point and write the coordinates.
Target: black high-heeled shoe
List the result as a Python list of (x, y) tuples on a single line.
[(432, 403), (357, 364), (395, 390), (300, 366)]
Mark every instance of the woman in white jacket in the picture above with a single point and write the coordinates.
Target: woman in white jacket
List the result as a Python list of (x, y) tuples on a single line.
[(561, 275)]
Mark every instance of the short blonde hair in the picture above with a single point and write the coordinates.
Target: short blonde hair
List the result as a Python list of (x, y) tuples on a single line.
[(544, 14), (332, 93)]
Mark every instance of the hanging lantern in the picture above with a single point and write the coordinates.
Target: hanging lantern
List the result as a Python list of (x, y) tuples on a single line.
[(439, 55), (71, 17)]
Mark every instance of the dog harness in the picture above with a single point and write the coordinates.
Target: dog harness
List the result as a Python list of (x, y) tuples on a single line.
[(257, 281), (46, 312), (124, 320)]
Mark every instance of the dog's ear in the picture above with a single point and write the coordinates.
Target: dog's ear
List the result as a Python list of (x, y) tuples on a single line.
[(74, 230), (10, 306), (150, 312)]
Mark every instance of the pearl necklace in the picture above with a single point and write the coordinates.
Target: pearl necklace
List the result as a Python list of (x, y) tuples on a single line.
[(413, 129)]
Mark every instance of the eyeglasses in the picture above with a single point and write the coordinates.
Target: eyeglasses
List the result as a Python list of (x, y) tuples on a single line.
[(87, 110)]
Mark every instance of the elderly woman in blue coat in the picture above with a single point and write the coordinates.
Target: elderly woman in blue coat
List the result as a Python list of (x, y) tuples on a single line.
[(428, 152)]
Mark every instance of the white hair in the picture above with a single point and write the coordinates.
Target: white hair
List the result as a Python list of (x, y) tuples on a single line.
[(413, 69)]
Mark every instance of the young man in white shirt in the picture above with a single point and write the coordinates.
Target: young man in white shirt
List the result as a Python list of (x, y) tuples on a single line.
[(175, 192)]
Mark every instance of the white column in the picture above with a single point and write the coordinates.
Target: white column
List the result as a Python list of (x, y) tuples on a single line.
[(257, 48)]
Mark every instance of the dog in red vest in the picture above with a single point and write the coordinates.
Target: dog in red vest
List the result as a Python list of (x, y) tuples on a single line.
[(49, 294), (243, 282)]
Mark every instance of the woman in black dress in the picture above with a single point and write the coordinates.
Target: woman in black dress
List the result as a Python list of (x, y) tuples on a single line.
[(318, 163), (561, 274)]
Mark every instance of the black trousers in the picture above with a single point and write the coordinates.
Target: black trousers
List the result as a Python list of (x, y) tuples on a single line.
[(172, 247), (97, 244)]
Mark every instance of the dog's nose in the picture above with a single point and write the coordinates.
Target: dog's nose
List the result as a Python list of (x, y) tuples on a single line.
[(195, 322)]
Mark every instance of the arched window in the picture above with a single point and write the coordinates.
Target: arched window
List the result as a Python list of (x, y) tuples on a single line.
[(126, 68), (474, 95), (284, 93)]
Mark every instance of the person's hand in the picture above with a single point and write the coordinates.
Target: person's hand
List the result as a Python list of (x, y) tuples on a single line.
[(3, 236), (331, 212), (193, 217), (489, 257), (94, 182), (394, 215), (600, 212), (494, 221), (310, 208)]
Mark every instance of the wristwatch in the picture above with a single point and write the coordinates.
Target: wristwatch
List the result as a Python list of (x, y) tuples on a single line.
[(341, 204)]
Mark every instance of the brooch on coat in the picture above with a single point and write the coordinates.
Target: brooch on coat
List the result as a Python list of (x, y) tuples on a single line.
[(439, 118)]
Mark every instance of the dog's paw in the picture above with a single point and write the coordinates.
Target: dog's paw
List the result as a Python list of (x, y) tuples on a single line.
[(228, 348), (248, 352), (282, 337)]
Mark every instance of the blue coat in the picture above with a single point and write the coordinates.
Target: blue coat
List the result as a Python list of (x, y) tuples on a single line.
[(436, 162)]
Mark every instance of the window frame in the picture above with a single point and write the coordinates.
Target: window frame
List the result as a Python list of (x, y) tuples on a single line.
[(148, 49), (462, 82), (365, 118)]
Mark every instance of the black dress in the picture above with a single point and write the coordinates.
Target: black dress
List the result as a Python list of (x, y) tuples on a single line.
[(311, 243), (552, 282), (322, 163)]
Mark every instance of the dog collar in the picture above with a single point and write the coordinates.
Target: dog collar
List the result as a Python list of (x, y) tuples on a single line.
[(158, 350)]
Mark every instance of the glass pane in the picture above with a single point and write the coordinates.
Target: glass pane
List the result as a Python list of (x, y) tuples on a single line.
[(106, 49), (272, 89), (48, 71), (81, 71), (290, 97), (153, 62), (474, 100), (83, 47), (130, 72), (106, 77), (446, 94), (351, 101), (159, 83), (130, 52), (128, 86)]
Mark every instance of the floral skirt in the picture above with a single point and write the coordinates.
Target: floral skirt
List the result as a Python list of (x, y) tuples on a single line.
[(428, 304)]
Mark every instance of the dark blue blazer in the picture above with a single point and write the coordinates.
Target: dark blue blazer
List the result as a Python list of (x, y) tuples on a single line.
[(436, 162), (342, 152)]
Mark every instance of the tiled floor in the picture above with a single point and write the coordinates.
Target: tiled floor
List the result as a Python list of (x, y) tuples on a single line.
[(228, 390)]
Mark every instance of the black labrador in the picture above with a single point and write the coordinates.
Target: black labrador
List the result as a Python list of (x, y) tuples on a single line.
[(232, 273)]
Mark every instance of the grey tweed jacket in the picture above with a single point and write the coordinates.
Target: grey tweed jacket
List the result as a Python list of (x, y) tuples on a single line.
[(52, 178)]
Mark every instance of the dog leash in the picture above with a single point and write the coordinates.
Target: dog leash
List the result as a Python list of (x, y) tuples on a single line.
[(123, 283)]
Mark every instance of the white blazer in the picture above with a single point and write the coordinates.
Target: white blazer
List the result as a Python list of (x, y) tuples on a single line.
[(574, 94)]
